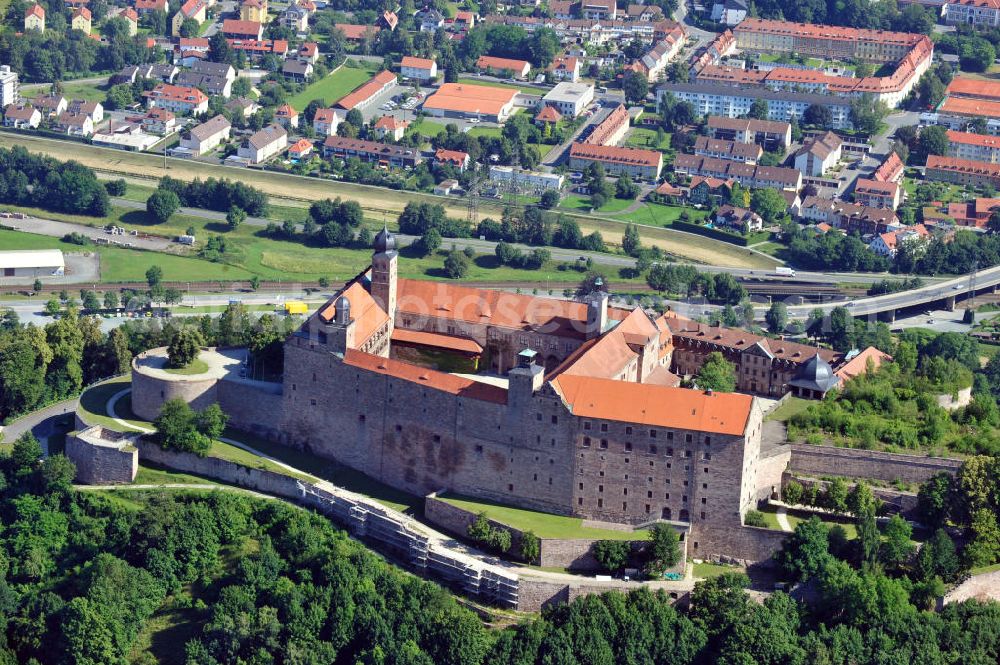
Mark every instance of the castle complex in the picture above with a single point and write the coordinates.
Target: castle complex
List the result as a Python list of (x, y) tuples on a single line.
[(568, 407)]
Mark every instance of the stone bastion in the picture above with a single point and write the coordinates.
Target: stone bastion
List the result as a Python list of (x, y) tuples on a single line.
[(253, 406), (153, 384)]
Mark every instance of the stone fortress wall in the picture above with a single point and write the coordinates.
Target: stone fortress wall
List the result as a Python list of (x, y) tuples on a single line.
[(102, 456)]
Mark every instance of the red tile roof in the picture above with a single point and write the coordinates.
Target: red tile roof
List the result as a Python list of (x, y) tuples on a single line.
[(416, 63), (969, 138), (490, 62), (232, 26), (606, 399), (973, 88), (549, 114), (451, 156), (608, 153), (437, 340), (366, 90), (433, 379), (462, 98)]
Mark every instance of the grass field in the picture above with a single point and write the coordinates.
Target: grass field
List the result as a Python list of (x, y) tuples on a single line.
[(578, 203), (544, 525), (373, 199), (332, 87), (427, 127), (493, 132), (796, 517), (641, 137), (154, 475), (196, 366), (661, 215)]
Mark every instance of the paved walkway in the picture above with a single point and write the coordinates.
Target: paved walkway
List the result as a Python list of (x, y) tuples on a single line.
[(41, 423), (783, 522)]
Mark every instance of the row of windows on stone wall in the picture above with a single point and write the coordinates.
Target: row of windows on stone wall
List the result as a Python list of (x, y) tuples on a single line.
[(649, 493), (653, 433), (666, 512), (652, 449), (687, 467)]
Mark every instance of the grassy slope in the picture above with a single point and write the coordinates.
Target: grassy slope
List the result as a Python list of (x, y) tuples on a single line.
[(544, 525)]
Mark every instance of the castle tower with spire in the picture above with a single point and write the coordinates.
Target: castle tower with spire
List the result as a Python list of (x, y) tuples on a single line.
[(384, 261)]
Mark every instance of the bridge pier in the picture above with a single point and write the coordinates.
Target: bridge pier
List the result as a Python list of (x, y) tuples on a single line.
[(949, 303), (888, 316)]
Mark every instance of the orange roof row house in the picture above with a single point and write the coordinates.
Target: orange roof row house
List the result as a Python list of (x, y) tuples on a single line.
[(367, 90)]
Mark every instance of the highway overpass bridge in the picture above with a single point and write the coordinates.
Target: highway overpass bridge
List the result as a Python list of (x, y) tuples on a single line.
[(939, 295)]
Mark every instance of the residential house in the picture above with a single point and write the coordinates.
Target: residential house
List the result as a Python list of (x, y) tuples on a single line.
[(297, 70), (287, 116), (889, 243), (644, 13), (979, 13), (667, 192), (296, 19), (384, 154), (21, 116), (599, 10), (263, 145), (748, 175), (729, 12), (308, 52), (215, 78), (516, 68), (34, 18), (745, 153), (875, 194), (159, 121), (366, 93), (421, 69), (388, 20), (565, 68), (50, 106), (768, 134), (429, 19), (240, 29), (356, 33), (254, 10), (177, 98), (641, 164), (962, 171), (325, 122), (465, 20), (300, 149), (257, 49), (192, 9), (738, 219), (204, 138), (143, 7), (611, 130), (388, 127), (93, 109), (653, 64), (74, 124), (704, 190), (890, 170), (81, 20), (242, 106), (848, 217), (548, 116), (456, 158), (131, 19), (819, 154), (978, 147)]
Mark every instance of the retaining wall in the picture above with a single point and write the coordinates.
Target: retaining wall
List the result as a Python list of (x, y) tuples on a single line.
[(904, 502), (853, 463), (570, 553), (756, 545), (150, 392)]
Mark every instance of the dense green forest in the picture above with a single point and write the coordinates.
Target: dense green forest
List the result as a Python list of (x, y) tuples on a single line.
[(96, 578)]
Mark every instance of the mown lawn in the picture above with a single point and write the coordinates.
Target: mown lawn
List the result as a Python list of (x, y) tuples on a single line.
[(792, 406), (493, 132), (427, 128), (656, 214), (196, 366), (545, 525), (332, 87), (94, 403), (578, 203), (708, 570), (154, 475)]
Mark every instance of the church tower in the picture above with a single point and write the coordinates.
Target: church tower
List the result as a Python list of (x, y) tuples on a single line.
[(384, 260)]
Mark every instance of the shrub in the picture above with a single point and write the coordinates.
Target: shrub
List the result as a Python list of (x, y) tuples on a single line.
[(755, 518)]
